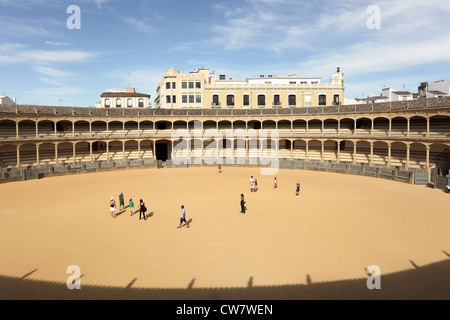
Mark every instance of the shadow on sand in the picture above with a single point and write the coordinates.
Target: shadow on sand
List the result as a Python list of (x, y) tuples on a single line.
[(421, 282)]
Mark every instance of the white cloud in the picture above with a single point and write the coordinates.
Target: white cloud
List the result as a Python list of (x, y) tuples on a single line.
[(139, 25)]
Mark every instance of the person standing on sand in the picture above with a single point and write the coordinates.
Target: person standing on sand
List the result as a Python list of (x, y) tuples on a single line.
[(242, 204), (220, 168), (142, 209), (275, 183), (121, 201), (131, 203), (256, 185), (252, 184), (112, 207), (183, 217), (297, 191)]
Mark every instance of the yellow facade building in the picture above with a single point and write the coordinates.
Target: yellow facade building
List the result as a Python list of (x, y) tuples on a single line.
[(201, 89)]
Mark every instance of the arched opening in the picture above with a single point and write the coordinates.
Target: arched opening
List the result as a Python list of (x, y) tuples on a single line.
[(81, 128), (65, 152), (315, 127), (299, 127), (347, 126), (362, 152), (380, 154), (8, 155), (147, 127), (269, 125), (28, 155), (398, 154), (315, 150), (440, 126), (163, 150), (399, 126), (47, 154), (299, 150), (99, 128), (82, 152), (417, 156), (346, 152), (46, 128), (147, 149), (27, 129), (284, 127), (418, 126), (115, 128), (131, 150), (115, 151), (64, 128), (330, 148), (7, 129), (330, 127), (363, 126), (131, 128), (440, 157), (381, 126)]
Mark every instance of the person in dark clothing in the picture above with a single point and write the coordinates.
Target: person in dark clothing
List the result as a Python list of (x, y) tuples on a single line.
[(142, 210), (242, 204)]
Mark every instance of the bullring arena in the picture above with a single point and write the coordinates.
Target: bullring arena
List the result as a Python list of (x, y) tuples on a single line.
[(365, 200)]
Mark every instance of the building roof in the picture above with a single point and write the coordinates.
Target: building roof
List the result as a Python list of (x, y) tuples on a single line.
[(124, 95), (401, 92), (436, 92)]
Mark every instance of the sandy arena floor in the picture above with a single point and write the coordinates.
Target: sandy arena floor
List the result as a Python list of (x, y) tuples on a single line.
[(340, 225)]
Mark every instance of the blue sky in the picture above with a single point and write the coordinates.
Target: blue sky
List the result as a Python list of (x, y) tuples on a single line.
[(42, 61)]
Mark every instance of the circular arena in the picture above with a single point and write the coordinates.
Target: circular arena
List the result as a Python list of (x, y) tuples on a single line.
[(351, 214)]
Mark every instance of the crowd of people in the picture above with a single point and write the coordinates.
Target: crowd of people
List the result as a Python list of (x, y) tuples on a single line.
[(143, 208)]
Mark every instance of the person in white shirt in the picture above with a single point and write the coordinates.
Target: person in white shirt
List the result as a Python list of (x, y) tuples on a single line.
[(183, 218)]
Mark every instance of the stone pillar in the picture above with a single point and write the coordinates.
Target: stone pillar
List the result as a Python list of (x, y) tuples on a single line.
[(107, 128), (354, 152), (154, 149), (371, 154), (390, 127), (408, 150), (18, 156), (56, 126), (73, 150), (139, 150), (389, 154), (90, 128), (123, 150), (56, 153), (372, 128), (428, 156), (107, 151), (307, 147), (139, 130), (338, 156), (408, 127), (17, 130), (90, 152), (428, 127), (37, 129), (37, 155), (307, 126), (339, 126), (73, 129), (323, 151), (323, 126), (292, 150)]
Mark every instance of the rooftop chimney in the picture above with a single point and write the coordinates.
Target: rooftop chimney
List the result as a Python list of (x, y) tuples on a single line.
[(130, 90), (222, 77)]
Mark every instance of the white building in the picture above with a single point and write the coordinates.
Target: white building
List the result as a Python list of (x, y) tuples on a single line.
[(7, 100), (123, 98), (394, 95), (435, 89)]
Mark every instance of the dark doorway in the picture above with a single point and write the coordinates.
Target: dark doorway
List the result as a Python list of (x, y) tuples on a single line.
[(162, 151)]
